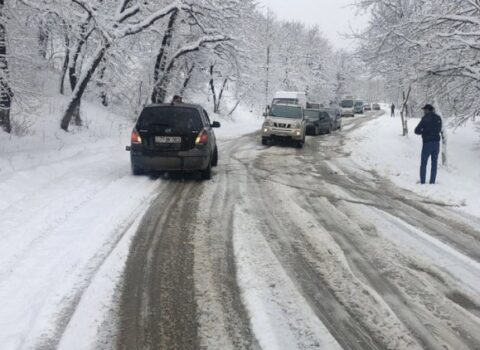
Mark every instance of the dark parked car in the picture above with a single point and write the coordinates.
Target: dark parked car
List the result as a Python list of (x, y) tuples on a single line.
[(336, 113), (311, 105), (320, 121), (174, 138)]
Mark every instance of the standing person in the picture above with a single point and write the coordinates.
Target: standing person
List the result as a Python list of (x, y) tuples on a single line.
[(392, 107), (430, 128), (177, 99)]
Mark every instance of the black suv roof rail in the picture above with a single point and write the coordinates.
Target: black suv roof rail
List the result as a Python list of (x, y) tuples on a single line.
[(186, 105)]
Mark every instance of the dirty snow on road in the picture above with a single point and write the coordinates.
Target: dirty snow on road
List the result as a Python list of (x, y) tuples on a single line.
[(302, 249)]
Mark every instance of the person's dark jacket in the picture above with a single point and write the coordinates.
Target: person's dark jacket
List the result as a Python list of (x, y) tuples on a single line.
[(430, 127)]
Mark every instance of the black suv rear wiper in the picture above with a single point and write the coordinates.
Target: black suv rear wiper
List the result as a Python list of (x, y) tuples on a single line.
[(158, 124)]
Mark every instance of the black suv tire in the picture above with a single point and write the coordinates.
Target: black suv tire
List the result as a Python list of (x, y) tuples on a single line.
[(137, 171), (215, 157), (206, 174)]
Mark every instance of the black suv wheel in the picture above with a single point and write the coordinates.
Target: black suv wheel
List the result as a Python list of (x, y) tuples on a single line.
[(207, 173), (215, 157)]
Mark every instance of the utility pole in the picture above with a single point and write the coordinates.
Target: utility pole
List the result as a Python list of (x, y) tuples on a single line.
[(267, 68)]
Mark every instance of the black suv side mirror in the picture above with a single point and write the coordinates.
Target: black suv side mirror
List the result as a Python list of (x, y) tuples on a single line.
[(216, 125)]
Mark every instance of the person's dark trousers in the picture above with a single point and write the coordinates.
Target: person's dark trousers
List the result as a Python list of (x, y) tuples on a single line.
[(430, 149)]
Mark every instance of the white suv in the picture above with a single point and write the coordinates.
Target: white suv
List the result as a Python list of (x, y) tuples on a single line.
[(284, 122)]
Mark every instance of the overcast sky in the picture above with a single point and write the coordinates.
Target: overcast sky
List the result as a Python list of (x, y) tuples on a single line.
[(334, 17)]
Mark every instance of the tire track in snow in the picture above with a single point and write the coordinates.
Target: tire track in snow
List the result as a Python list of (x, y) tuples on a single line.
[(223, 319), (158, 307)]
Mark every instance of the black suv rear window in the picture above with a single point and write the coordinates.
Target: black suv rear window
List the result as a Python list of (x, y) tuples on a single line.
[(171, 117)]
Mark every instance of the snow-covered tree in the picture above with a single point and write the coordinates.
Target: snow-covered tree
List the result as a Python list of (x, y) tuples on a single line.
[(428, 47), (132, 52)]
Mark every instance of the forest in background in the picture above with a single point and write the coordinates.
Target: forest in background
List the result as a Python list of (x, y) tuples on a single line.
[(129, 53)]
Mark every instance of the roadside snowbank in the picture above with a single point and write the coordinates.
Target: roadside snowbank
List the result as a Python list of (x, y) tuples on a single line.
[(379, 146), (243, 121)]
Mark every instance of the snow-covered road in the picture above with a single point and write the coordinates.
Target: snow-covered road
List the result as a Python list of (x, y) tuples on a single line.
[(283, 249), (300, 249)]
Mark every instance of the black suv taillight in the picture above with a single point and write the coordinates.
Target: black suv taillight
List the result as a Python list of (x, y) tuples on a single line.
[(202, 138), (136, 138)]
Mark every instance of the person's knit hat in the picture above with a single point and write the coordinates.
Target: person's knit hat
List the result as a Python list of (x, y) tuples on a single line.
[(428, 107)]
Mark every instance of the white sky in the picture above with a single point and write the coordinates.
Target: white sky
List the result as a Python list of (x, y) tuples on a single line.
[(334, 17)]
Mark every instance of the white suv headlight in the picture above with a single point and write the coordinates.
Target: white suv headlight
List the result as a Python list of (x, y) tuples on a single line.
[(267, 122)]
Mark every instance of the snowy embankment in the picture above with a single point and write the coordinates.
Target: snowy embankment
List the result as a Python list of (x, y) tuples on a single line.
[(68, 203), (379, 146), (69, 208)]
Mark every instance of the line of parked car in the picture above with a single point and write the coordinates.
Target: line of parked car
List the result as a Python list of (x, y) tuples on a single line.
[(290, 118), (179, 137), (351, 106)]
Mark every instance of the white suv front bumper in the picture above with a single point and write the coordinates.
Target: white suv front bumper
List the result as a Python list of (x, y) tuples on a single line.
[(294, 134)]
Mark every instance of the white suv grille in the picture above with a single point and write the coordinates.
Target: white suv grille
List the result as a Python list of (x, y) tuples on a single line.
[(282, 125)]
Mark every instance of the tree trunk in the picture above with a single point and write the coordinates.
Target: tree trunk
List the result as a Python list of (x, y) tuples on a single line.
[(444, 148), (43, 38), (5, 90), (74, 68), (101, 84), (159, 80), (212, 89), (186, 82), (403, 111), (234, 108), (444, 136), (73, 109), (66, 63), (220, 95), (5, 119)]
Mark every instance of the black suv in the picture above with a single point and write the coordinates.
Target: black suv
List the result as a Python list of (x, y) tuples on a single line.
[(174, 138)]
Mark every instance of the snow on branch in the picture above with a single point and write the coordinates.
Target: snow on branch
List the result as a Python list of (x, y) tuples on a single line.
[(195, 46), (148, 21)]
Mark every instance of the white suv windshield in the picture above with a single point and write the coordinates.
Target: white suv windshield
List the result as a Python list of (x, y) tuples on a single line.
[(282, 111), (346, 104), (289, 101)]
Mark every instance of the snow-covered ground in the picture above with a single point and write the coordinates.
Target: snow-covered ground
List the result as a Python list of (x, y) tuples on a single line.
[(69, 207), (379, 146), (243, 121)]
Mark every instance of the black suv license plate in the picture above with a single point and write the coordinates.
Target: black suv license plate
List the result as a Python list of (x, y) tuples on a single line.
[(168, 139)]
